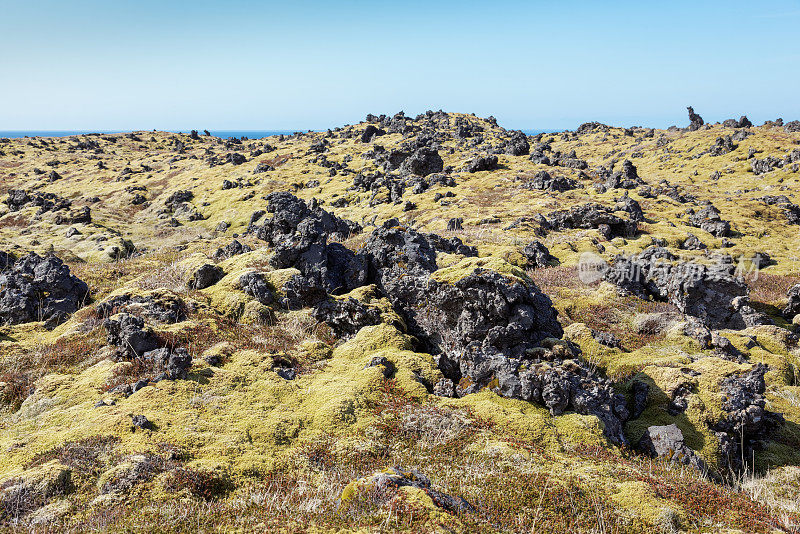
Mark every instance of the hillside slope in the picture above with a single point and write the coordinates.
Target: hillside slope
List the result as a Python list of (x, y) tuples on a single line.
[(412, 323)]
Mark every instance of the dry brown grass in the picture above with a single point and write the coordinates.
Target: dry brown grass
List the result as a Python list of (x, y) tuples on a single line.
[(13, 221)]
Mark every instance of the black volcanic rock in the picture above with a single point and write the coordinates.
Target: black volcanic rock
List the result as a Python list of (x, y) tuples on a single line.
[(36, 288), (695, 120), (422, 162)]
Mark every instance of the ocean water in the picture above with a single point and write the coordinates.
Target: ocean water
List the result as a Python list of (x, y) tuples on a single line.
[(250, 134)]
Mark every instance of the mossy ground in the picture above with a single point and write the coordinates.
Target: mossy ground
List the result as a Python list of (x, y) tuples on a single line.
[(243, 449)]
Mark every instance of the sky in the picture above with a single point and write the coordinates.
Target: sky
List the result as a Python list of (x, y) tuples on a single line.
[(302, 64)]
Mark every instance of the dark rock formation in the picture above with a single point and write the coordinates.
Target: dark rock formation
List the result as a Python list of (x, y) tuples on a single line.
[(695, 120), (709, 220), (692, 242), (129, 336), (793, 305), (169, 364), (667, 442), (768, 164), (371, 132), (234, 248), (19, 198), (722, 146), (629, 205), (792, 127), (299, 235), (543, 181), (162, 307), (256, 285), (346, 316), (746, 421), (422, 162), (36, 288), (517, 145), (626, 178), (205, 276), (536, 255), (488, 330), (592, 215), (481, 163), (709, 293)]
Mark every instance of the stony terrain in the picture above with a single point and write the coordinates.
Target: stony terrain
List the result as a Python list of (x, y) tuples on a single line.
[(421, 323)]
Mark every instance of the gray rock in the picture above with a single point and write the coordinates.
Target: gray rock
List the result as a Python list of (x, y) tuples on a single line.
[(205, 276), (36, 288)]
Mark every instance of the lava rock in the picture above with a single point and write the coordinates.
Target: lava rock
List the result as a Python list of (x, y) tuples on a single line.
[(722, 146), (537, 255), (205, 276), (234, 248), (371, 132), (692, 242), (543, 181), (667, 442), (346, 316), (626, 178), (695, 120), (422, 162), (746, 422), (709, 220), (169, 364), (709, 293), (159, 306), (130, 337), (517, 145), (481, 163), (793, 305), (256, 285), (36, 288), (589, 216)]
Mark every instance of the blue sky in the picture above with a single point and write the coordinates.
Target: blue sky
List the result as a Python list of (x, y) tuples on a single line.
[(302, 64)]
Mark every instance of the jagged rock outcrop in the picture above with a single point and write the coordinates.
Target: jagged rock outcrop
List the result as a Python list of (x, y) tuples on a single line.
[(424, 161), (160, 306), (695, 120), (205, 276), (481, 163), (346, 316), (592, 215), (792, 307), (488, 330), (722, 146), (168, 364), (36, 288), (299, 235), (371, 132), (234, 248), (745, 421), (256, 285), (630, 206), (709, 220), (517, 145), (765, 165), (712, 294), (20, 198), (290, 215), (536, 255), (625, 178), (667, 442), (544, 181), (129, 336)]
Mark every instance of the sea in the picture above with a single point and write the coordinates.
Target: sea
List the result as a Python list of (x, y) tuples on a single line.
[(225, 134), (250, 134)]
